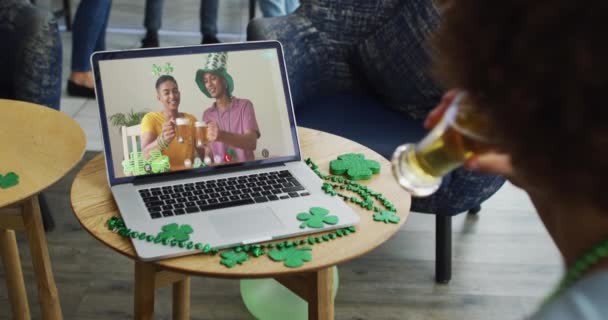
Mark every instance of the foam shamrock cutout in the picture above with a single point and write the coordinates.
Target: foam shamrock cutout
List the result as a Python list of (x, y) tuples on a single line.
[(232, 258), (387, 216), (173, 231), (317, 218), (11, 179), (294, 257), (355, 166)]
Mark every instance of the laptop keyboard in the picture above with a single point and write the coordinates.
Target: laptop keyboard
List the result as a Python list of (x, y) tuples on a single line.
[(208, 195)]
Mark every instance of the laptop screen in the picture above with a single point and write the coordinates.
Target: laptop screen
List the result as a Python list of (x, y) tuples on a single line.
[(194, 109)]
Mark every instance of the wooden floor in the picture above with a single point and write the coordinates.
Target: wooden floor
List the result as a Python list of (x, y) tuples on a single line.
[(504, 261)]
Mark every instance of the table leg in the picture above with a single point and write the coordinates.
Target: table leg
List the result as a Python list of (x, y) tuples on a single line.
[(181, 299), (14, 277), (321, 302), (145, 278), (34, 231)]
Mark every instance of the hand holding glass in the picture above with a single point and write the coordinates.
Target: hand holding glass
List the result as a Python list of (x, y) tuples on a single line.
[(457, 137)]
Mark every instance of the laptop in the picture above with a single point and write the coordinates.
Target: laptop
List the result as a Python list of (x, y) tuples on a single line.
[(229, 192)]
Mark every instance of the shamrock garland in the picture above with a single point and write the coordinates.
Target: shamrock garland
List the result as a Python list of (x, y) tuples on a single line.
[(355, 166), (287, 251), (137, 165), (386, 216), (317, 218), (294, 257), (363, 191), (171, 233), (11, 179)]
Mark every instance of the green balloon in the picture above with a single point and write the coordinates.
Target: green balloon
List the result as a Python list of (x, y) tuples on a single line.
[(267, 299)]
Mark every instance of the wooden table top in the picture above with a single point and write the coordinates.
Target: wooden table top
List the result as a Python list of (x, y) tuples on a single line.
[(39, 144), (93, 205)]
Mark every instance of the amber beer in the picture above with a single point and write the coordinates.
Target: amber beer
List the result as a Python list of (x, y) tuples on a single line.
[(183, 130), (458, 136), (201, 133)]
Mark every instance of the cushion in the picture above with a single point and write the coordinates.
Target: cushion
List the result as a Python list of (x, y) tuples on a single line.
[(366, 120), (361, 118), (395, 59)]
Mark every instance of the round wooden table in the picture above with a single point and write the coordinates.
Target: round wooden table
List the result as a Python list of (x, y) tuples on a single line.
[(40, 145), (93, 205)]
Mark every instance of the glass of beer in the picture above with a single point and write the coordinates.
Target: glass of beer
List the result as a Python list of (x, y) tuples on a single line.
[(201, 133), (183, 130), (459, 135)]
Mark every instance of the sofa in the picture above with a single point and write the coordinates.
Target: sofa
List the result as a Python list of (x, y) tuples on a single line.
[(360, 69)]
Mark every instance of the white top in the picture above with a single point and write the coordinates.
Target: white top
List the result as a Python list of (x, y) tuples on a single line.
[(586, 299)]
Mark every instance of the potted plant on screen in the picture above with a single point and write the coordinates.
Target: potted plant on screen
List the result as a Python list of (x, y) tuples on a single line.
[(128, 119)]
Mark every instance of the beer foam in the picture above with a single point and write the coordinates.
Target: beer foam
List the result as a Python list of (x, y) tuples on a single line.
[(199, 124), (182, 121)]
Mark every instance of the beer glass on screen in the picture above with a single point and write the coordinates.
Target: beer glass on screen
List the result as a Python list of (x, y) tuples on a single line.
[(459, 135), (201, 133), (183, 131)]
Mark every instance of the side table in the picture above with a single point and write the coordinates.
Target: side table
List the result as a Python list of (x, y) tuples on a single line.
[(93, 205), (40, 145)]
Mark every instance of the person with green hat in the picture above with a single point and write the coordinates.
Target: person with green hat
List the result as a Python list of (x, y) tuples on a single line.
[(232, 128)]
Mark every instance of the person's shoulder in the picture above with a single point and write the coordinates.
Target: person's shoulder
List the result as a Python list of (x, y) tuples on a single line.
[(584, 300), (152, 116), (209, 109), (151, 121), (242, 102), (207, 112)]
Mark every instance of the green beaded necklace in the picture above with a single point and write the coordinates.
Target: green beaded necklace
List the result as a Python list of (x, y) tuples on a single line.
[(580, 267), (240, 254)]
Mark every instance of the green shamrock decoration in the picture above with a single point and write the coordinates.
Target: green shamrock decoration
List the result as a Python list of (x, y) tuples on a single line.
[(11, 179), (387, 216), (174, 232), (355, 166), (317, 218), (135, 165), (168, 68), (156, 69), (294, 257), (231, 258), (158, 161)]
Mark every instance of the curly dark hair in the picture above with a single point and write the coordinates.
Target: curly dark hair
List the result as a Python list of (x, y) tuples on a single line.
[(539, 69)]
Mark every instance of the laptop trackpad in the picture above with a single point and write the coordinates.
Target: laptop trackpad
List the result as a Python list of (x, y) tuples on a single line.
[(246, 224)]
